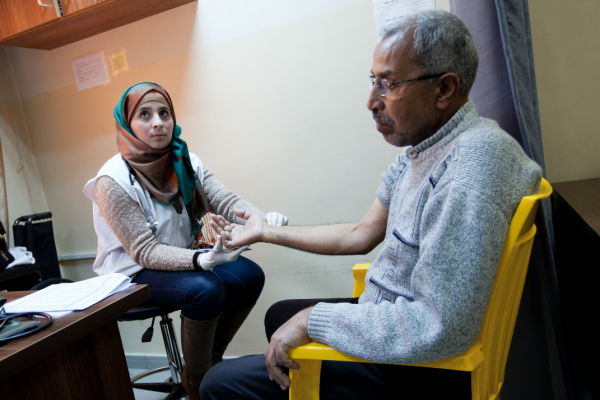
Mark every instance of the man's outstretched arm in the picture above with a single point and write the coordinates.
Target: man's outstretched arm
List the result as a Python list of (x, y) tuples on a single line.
[(351, 238)]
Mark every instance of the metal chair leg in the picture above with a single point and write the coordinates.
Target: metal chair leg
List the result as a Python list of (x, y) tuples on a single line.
[(173, 357), (173, 386)]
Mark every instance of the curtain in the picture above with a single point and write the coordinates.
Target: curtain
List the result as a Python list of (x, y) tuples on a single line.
[(505, 90)]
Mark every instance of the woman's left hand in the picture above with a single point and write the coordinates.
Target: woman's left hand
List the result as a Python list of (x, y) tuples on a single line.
[(276, 219), (210, 260)]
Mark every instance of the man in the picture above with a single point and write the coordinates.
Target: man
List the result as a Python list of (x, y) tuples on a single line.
[(442, 211)]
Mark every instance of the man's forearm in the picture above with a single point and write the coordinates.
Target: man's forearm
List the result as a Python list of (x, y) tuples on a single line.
[(338, 239), (325, 239)]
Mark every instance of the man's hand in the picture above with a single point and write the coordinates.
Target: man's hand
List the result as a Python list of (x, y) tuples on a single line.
[(235, 235), (291, 334)]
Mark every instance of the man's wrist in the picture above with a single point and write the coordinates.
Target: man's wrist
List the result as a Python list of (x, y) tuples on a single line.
[(268, 235), (306, 318)]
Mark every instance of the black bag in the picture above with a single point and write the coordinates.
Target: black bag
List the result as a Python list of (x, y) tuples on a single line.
[(35, 232), (5, 256)]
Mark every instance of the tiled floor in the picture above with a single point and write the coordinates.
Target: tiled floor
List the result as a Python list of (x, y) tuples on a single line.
[(145, 394)]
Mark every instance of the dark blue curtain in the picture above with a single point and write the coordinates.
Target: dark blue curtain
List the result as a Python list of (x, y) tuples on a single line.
[(505, 90)]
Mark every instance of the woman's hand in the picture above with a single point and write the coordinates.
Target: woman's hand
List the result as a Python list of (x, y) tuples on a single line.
[(210, 260), (235, 235), (276, 219)]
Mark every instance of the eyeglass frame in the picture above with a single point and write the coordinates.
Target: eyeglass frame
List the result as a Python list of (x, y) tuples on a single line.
[(391, 84)]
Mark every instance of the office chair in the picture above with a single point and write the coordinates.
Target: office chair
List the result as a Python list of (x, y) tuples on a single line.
[(486, 358), (173, 385), (35, 232)]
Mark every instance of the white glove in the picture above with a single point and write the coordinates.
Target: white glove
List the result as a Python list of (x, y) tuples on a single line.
[(276, 219), (210, 260)]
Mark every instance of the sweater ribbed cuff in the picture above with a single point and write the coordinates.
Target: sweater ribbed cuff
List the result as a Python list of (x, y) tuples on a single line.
[(320, 322)]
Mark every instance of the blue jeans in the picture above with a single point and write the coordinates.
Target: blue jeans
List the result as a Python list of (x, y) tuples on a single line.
[(203, 295)]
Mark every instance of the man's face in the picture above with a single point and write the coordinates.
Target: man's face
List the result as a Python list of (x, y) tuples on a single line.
[(408, 114)]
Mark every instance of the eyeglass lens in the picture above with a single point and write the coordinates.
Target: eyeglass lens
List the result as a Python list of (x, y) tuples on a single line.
[(381, 84)]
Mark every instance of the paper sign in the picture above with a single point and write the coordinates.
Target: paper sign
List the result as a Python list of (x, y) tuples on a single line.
[(389, 11), (90, 71)]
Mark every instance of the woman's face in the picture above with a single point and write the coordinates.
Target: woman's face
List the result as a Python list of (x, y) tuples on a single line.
[(153, 124)]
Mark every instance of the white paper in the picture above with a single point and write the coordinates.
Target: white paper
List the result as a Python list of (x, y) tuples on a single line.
[(58, 314), (389, 11), (70, 296), (90, 71)]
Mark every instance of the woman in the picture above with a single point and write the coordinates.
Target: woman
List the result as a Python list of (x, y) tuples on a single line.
[(149, 201)]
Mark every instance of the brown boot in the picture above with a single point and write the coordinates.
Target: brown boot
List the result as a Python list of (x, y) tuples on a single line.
[(196, 339), (229, 323)]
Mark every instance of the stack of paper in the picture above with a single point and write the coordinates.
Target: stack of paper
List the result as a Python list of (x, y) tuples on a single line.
[(70, 296)]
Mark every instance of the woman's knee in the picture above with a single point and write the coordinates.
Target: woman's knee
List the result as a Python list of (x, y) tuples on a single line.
[(205, 297), (250, 273), (244, 281)]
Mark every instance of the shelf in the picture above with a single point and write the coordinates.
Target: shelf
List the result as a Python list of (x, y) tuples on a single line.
[(88, 22)]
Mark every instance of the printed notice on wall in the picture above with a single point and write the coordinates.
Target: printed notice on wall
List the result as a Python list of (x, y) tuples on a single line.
[(90, 71), (389, 11)]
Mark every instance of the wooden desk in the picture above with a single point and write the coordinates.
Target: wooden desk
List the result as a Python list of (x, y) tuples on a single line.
[(584, 197), (80, 356), (576, 219)]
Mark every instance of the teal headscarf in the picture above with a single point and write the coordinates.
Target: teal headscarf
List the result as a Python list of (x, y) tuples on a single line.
[(166, 173)]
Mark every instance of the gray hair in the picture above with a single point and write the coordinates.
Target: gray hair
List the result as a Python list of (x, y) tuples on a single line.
[(442, 44)]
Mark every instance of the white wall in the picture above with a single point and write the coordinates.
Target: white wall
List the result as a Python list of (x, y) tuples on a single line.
[(272, 97), (566, 46)]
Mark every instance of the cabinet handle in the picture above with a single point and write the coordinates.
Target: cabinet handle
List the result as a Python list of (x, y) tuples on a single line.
[(42, 4)]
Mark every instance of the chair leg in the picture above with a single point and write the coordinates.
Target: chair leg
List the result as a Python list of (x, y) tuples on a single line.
[(306, 381), (480, 389), (173, 357), (174, 387)]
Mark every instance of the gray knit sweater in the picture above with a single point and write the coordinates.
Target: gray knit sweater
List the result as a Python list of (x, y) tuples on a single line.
[(450, 200)]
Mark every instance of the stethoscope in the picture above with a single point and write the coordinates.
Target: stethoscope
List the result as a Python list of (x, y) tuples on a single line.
[(151, 218), (10, 319), (152, 222)]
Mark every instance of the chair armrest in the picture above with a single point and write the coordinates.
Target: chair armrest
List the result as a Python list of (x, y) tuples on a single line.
[(467, 361), (359, 272)]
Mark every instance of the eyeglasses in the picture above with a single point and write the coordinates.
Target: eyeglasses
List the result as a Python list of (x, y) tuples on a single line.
[(383, 86)]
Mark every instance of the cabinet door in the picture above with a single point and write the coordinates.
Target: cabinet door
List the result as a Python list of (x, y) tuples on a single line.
[(19, 15), (71, 6)]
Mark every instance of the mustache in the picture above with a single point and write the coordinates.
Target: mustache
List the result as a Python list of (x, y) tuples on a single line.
[(382, 119)]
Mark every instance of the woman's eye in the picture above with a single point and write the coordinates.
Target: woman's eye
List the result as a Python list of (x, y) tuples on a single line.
[(164, 113), (144, 114)]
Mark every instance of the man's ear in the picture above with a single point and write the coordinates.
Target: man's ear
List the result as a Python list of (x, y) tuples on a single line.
[(448, 87)]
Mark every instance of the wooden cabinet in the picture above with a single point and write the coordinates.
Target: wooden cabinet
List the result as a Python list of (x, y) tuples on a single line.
[(80, 19), (72, 6), (20, 15)]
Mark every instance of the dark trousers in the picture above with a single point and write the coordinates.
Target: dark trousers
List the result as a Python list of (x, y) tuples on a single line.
[(247, 377), (203, 295)]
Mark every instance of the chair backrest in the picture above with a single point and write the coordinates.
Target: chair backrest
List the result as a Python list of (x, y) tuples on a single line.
[(501, 313), (35, 232)]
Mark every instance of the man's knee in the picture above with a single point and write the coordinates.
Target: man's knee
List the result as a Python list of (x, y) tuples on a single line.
[(213, 384), (276, 316), (241, 378)]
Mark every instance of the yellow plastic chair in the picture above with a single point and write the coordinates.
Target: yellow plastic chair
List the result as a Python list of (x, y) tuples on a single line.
[(486, 358)]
